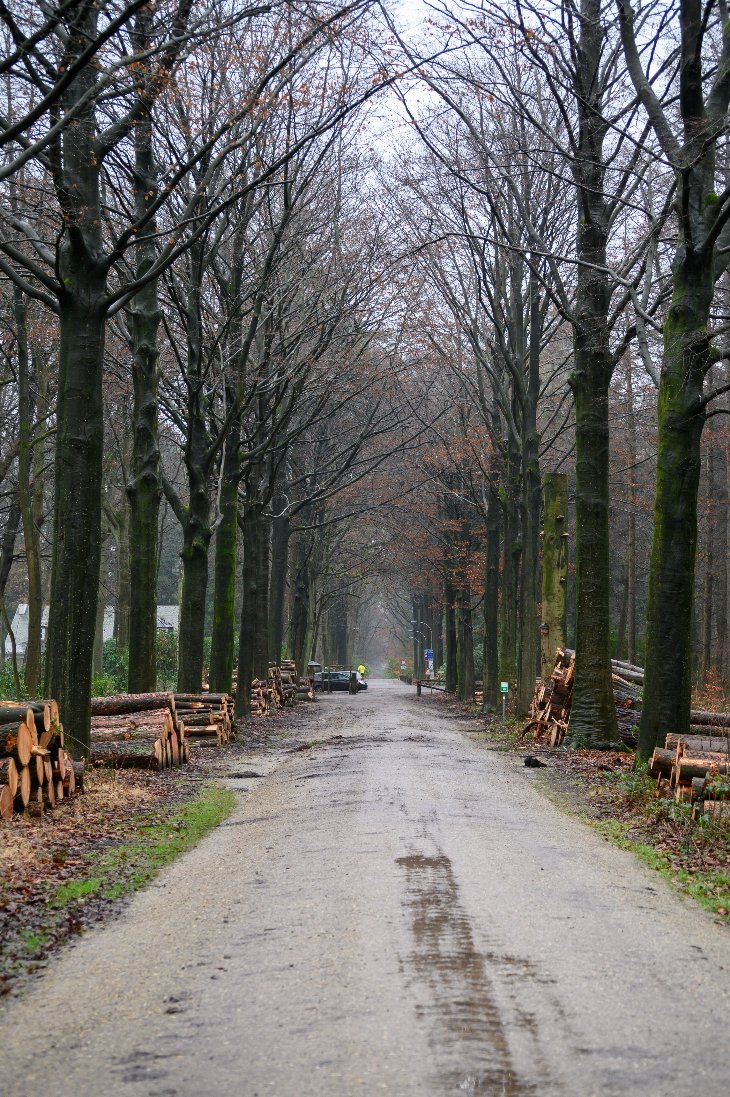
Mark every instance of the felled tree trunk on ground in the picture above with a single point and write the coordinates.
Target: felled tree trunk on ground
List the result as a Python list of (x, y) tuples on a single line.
[(554, 568)]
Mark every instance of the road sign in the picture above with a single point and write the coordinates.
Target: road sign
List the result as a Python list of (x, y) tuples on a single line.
[(428, 653), (504, 687)]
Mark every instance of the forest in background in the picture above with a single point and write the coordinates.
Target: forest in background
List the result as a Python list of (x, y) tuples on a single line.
[(306, 308)]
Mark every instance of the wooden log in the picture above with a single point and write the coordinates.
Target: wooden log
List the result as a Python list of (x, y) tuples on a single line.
[(49, 793), (24, 789), (688, 768), (662, 762), (9, 775), (129, 755), (208, 698), (622, 665), (131, 702), (699, 742), (16, 741), (12, 710), (128, 734), (6, 802), (709, 719)]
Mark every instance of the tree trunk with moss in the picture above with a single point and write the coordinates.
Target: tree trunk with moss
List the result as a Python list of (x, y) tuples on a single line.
[(223, 640), (668, 664)]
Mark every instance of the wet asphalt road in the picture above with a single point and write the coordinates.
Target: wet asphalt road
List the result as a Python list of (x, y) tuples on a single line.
[(395, 911)]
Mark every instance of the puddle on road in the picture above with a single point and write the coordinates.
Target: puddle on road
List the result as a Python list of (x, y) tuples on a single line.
[(468, 1034)]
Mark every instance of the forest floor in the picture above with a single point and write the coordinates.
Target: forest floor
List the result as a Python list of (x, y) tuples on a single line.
[(77, 866)]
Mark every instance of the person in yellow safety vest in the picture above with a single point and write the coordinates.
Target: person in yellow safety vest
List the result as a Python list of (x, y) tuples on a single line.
[(361, 670)]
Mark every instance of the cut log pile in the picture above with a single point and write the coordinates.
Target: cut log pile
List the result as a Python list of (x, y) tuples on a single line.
[(283, 687), (138, 731), (35, 770), (695, 769), (207, 717), (550, 709)]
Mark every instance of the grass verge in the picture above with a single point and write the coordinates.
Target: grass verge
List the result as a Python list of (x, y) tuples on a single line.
[(129, 866), (37, 919)]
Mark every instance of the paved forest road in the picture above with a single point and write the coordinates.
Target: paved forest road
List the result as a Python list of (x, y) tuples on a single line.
[(395, 911)]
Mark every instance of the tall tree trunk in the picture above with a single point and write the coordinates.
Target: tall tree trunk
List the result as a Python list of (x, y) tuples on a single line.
[(300, 604), (681, 417), (246, 636), (223, 641), (530, 513), (123, 581), (593, 714), (144, 488), (708, 599), (631, 632), (554, 568), (197, 535), (28, 492), (77, 498), (263, 568), (508, 606), (279, 567), (450, 633), (491, 605), (464, 647)]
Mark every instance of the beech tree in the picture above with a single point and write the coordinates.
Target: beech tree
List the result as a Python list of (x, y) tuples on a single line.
[(690, 145)]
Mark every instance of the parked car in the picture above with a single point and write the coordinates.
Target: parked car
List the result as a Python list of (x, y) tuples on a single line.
[(339, 680)]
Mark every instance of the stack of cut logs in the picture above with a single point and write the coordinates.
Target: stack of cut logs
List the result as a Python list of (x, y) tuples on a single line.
[(282, 687), (155, 730), (550, 709), (695, 769), (35, 770), (137, 731), (208, 717), (260, 698)]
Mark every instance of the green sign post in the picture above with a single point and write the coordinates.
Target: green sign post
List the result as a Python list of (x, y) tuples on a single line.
[(504, 690)]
